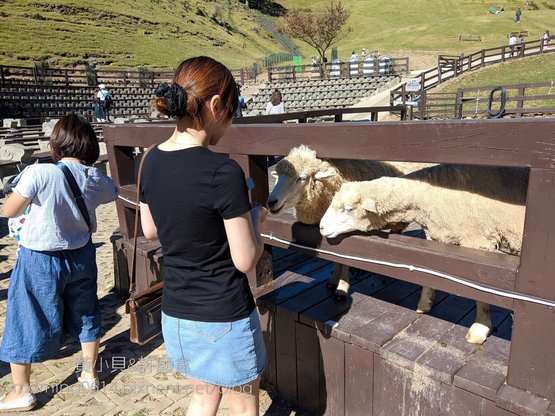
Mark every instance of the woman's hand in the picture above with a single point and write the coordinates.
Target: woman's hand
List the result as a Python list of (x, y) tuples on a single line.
[(258, 214)]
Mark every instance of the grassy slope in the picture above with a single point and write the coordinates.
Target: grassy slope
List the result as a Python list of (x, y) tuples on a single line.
[(128, 33), (525, 71), (530, 70), (400, 27)]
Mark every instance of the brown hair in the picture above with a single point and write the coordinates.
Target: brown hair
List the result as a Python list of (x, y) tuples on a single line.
[(201, 78), (275, 99), (73, 136)]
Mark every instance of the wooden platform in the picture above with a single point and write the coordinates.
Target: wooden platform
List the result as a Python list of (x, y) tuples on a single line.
[(372, 354)]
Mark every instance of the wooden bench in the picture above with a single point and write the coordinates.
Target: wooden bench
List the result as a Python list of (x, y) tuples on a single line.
[(471, 38)]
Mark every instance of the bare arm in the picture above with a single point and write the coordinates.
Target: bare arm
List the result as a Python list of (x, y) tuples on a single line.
[(245, 242), (15, 205), (147, 223)]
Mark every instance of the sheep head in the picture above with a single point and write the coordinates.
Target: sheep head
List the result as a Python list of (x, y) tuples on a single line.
[(298, 174), (352, 210)]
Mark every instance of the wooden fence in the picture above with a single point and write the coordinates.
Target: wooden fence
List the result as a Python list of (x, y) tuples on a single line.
[(524, 284), (515, 100), (449, 67), (390, 66), (336, 113), (38, 75)]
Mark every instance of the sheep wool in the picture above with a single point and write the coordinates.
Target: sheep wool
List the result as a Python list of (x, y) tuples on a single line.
[(318, 192)]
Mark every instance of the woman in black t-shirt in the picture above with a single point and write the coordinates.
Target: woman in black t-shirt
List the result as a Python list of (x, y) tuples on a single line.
[(196, 202)]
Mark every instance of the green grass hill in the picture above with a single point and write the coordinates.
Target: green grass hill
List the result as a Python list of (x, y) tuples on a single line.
[(132, 33)]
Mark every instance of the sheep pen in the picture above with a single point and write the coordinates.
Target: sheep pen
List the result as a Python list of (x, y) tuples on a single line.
[(472, 206), (308, 184)]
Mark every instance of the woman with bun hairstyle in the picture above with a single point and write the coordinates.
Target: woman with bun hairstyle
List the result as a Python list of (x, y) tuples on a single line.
[(196, 203)]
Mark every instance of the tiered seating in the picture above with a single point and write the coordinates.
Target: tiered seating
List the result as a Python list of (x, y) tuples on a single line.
[(317, 94), (53, 101)]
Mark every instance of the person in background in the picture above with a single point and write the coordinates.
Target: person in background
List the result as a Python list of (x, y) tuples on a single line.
[(53, 286), (363, 54), (353, 57), (242, 104), (196, 203), (275, 105), (512, 44), (526, 5), (546, 38), (98, 111), (105, 100), (518, 14)]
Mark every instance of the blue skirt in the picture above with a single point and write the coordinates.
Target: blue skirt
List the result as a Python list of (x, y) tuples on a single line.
[(51, 294), (226, 354)]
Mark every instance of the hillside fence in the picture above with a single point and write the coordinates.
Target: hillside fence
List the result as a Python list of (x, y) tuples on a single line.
[(515, 100), (372, 67), (144, 78), (449, 67)]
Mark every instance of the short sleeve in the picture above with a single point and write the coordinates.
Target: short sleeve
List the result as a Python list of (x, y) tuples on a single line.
[(28, 182), (231, 197), (100, 188)]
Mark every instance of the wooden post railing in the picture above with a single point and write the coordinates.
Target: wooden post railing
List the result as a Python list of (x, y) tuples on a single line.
[(524, 284)]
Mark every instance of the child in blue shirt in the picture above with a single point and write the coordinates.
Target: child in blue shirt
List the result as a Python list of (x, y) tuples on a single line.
[(53, 285)]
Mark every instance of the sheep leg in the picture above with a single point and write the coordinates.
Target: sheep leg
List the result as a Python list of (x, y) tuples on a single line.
[(334, 278), (426, 300), (481, 328), (339, 281), (343, 285)]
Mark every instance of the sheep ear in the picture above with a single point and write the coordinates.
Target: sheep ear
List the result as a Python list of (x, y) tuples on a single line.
[(274, 174), (323, 175), (370, 205)]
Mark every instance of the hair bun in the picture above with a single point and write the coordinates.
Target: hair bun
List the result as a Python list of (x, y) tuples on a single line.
[(175, 98)]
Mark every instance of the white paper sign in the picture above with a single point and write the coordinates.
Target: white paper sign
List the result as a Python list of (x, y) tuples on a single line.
[(412, 84)]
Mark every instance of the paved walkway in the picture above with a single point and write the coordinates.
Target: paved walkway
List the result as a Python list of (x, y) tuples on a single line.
[(135, 380)]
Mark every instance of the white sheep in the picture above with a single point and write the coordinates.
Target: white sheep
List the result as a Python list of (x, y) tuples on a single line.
[(307, 184), (473, 206)]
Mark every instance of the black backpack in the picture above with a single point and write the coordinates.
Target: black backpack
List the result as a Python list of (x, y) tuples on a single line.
[(107, 102)]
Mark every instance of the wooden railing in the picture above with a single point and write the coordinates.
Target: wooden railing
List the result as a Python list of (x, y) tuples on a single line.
[(23, 75), (449, 67), (519, 283), (395, 66), (336, 113), (515, 100), (521, 99)]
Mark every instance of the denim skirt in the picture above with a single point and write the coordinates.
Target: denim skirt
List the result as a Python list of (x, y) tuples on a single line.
[(51, 294), (226, 354)]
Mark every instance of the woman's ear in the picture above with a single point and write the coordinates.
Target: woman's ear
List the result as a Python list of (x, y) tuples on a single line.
[(214, 104)]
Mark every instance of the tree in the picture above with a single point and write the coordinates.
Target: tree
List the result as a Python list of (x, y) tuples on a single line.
[(319, 30)]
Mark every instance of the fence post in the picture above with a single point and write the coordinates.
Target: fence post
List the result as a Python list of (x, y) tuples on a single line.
[(522, 49), (520, 102), (503, 53), (270, 74), (458, 103), (532, 357), (483, 58)]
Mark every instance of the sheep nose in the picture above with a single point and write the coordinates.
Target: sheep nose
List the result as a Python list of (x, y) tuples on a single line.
[(272, 202)]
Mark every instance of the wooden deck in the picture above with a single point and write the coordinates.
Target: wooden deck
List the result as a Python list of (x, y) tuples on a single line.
[(372, 354)]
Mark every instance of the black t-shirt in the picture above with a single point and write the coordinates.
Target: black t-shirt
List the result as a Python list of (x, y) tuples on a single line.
[(190, 192)]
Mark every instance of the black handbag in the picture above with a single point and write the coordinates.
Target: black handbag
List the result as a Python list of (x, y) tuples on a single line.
[(145, 307)]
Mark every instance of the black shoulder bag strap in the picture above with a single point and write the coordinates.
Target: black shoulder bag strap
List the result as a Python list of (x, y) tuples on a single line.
[(76, 193)]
